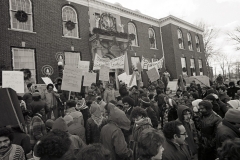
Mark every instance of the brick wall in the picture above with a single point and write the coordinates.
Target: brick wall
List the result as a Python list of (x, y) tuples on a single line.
[(48, 40)]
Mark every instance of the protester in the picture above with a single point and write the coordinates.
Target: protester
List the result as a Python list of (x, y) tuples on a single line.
[(27, 97), (94, 124), (204, 92), (154, 105), (150, 145), (109, 93), (48, 125), (27, 78), (175, 147), (134, 94), (229, 127), (102, 105), (91, 96), (111, 135), (9, 151), (232, 90), (128, 103), (71, 106), (235, 104), (222, 95), (211, 98), (230, 150), (208, 128)]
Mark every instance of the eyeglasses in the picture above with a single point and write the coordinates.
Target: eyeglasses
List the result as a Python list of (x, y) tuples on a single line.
[(184, 134)]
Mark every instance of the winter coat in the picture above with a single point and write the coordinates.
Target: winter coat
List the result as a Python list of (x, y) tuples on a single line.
[(154, 106), (226, 130), (190, 129), (135, 97), (109, 94), (152, 115), (223, 108), (173, 151), (231, 91), (21, 139), (93, 130), (111, 135), (137, 129), (223, 97), (77, 129)]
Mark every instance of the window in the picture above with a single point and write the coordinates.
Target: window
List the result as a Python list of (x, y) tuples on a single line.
[(200, 67), (190, 47), (132, 30), (180, 39), (192, 67), (15, 7), (70, 22), (24, 59), (197, 44), (72, 59), (184, 65), (152, 38)]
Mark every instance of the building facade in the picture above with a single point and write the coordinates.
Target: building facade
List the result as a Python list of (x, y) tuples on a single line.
[(36, 34)]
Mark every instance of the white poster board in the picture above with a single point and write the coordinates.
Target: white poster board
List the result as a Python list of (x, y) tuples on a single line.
[(104, 73), (14, 80), (172, 85), (89, 78), (84, 66)]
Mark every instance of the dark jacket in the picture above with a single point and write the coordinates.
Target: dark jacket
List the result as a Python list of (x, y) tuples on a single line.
[(154, 106), (231, 91), (175, 152), (135, 97), (190, 129), (93, 130), (152, 115), (226, 130), (112, 137), (22, 139), (223, 108)]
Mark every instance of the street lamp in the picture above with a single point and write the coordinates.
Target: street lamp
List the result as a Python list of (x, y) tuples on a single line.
[(60, 66)]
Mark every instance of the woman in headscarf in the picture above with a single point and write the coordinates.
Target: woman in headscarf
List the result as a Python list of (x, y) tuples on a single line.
[(94, 124)]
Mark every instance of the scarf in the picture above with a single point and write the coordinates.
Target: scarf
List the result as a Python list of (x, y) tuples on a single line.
[(97, 120), (96, 114)]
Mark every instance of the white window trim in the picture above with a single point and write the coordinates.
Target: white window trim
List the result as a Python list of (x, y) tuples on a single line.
[(136, 36), (190, 39), (155, 40), (77, 23), (34, 60), (181, 38), (12, 16), (197, 40)]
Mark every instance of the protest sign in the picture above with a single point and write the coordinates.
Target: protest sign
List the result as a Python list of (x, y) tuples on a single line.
[(117, 63), (157, 64), (122, 77), (89, 78), (47, 81), (72, 79), (128, 80), (40, 87), (84, 66), (153, 74), (14, 80), (144, 63), (104, 73), (172, 85), (99, 61)]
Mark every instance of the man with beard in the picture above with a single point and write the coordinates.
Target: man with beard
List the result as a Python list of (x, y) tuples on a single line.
[(9, 151), (208, 128)]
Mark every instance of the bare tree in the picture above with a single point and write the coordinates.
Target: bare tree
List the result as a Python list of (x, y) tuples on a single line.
[(235, 37), (222, 61)]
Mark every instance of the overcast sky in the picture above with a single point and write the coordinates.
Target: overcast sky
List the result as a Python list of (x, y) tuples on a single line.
[(223, 14)]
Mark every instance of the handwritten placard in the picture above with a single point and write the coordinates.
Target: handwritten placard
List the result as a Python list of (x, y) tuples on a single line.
[(99, 61), (144, 63), (72, 79), (128, 81), (89, 78), (172, 85), (153, 74), (117, 63), (14, 80), (104, 73), (84, 66), (122, 77)]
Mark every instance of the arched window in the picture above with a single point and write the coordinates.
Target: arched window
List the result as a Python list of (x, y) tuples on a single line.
[(197, 44), (152, 38), (189, 41), (180, 39), (132, 30), (21, 15), (70, 22)]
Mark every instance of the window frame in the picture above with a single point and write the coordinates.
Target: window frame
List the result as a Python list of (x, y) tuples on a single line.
[(200, 60), (197, 42), (194, 66), (72, 52), (76, 23), (180, 35), (189, 37), (185, 61), (136, 36), (28, 13), (34, 60), (154, 36)]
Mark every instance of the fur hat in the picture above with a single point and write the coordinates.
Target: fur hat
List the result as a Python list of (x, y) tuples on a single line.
[(206, 104), (232, 115), (60, 124), (145, 102), (128, 100)]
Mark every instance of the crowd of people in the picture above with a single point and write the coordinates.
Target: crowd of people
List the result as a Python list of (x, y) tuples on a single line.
[(137, 123)]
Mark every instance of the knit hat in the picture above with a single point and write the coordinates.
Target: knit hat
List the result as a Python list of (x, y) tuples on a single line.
[(37, 108), (235, 104), (206, 104), (49, 123), (68, 119), (128, 100), (60, 124), (232, 115), (145, 102), (210, 97)]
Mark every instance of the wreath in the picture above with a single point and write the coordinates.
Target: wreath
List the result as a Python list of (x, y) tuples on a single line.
[(151, 39), (131, 36), (70, 25), (184, 69), (189, 43), (179, 40), (201, 70), (21, 16)]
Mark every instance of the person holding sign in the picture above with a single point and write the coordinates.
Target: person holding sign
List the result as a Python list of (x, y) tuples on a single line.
[(27, 78), (109, 93)]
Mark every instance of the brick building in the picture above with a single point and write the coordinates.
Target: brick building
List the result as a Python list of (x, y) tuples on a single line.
[(67, 28)]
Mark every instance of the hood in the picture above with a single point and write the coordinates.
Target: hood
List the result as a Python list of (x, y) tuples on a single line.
[(234, 104), (180, 110), (109, 107), (119, 117), (143, 121)]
